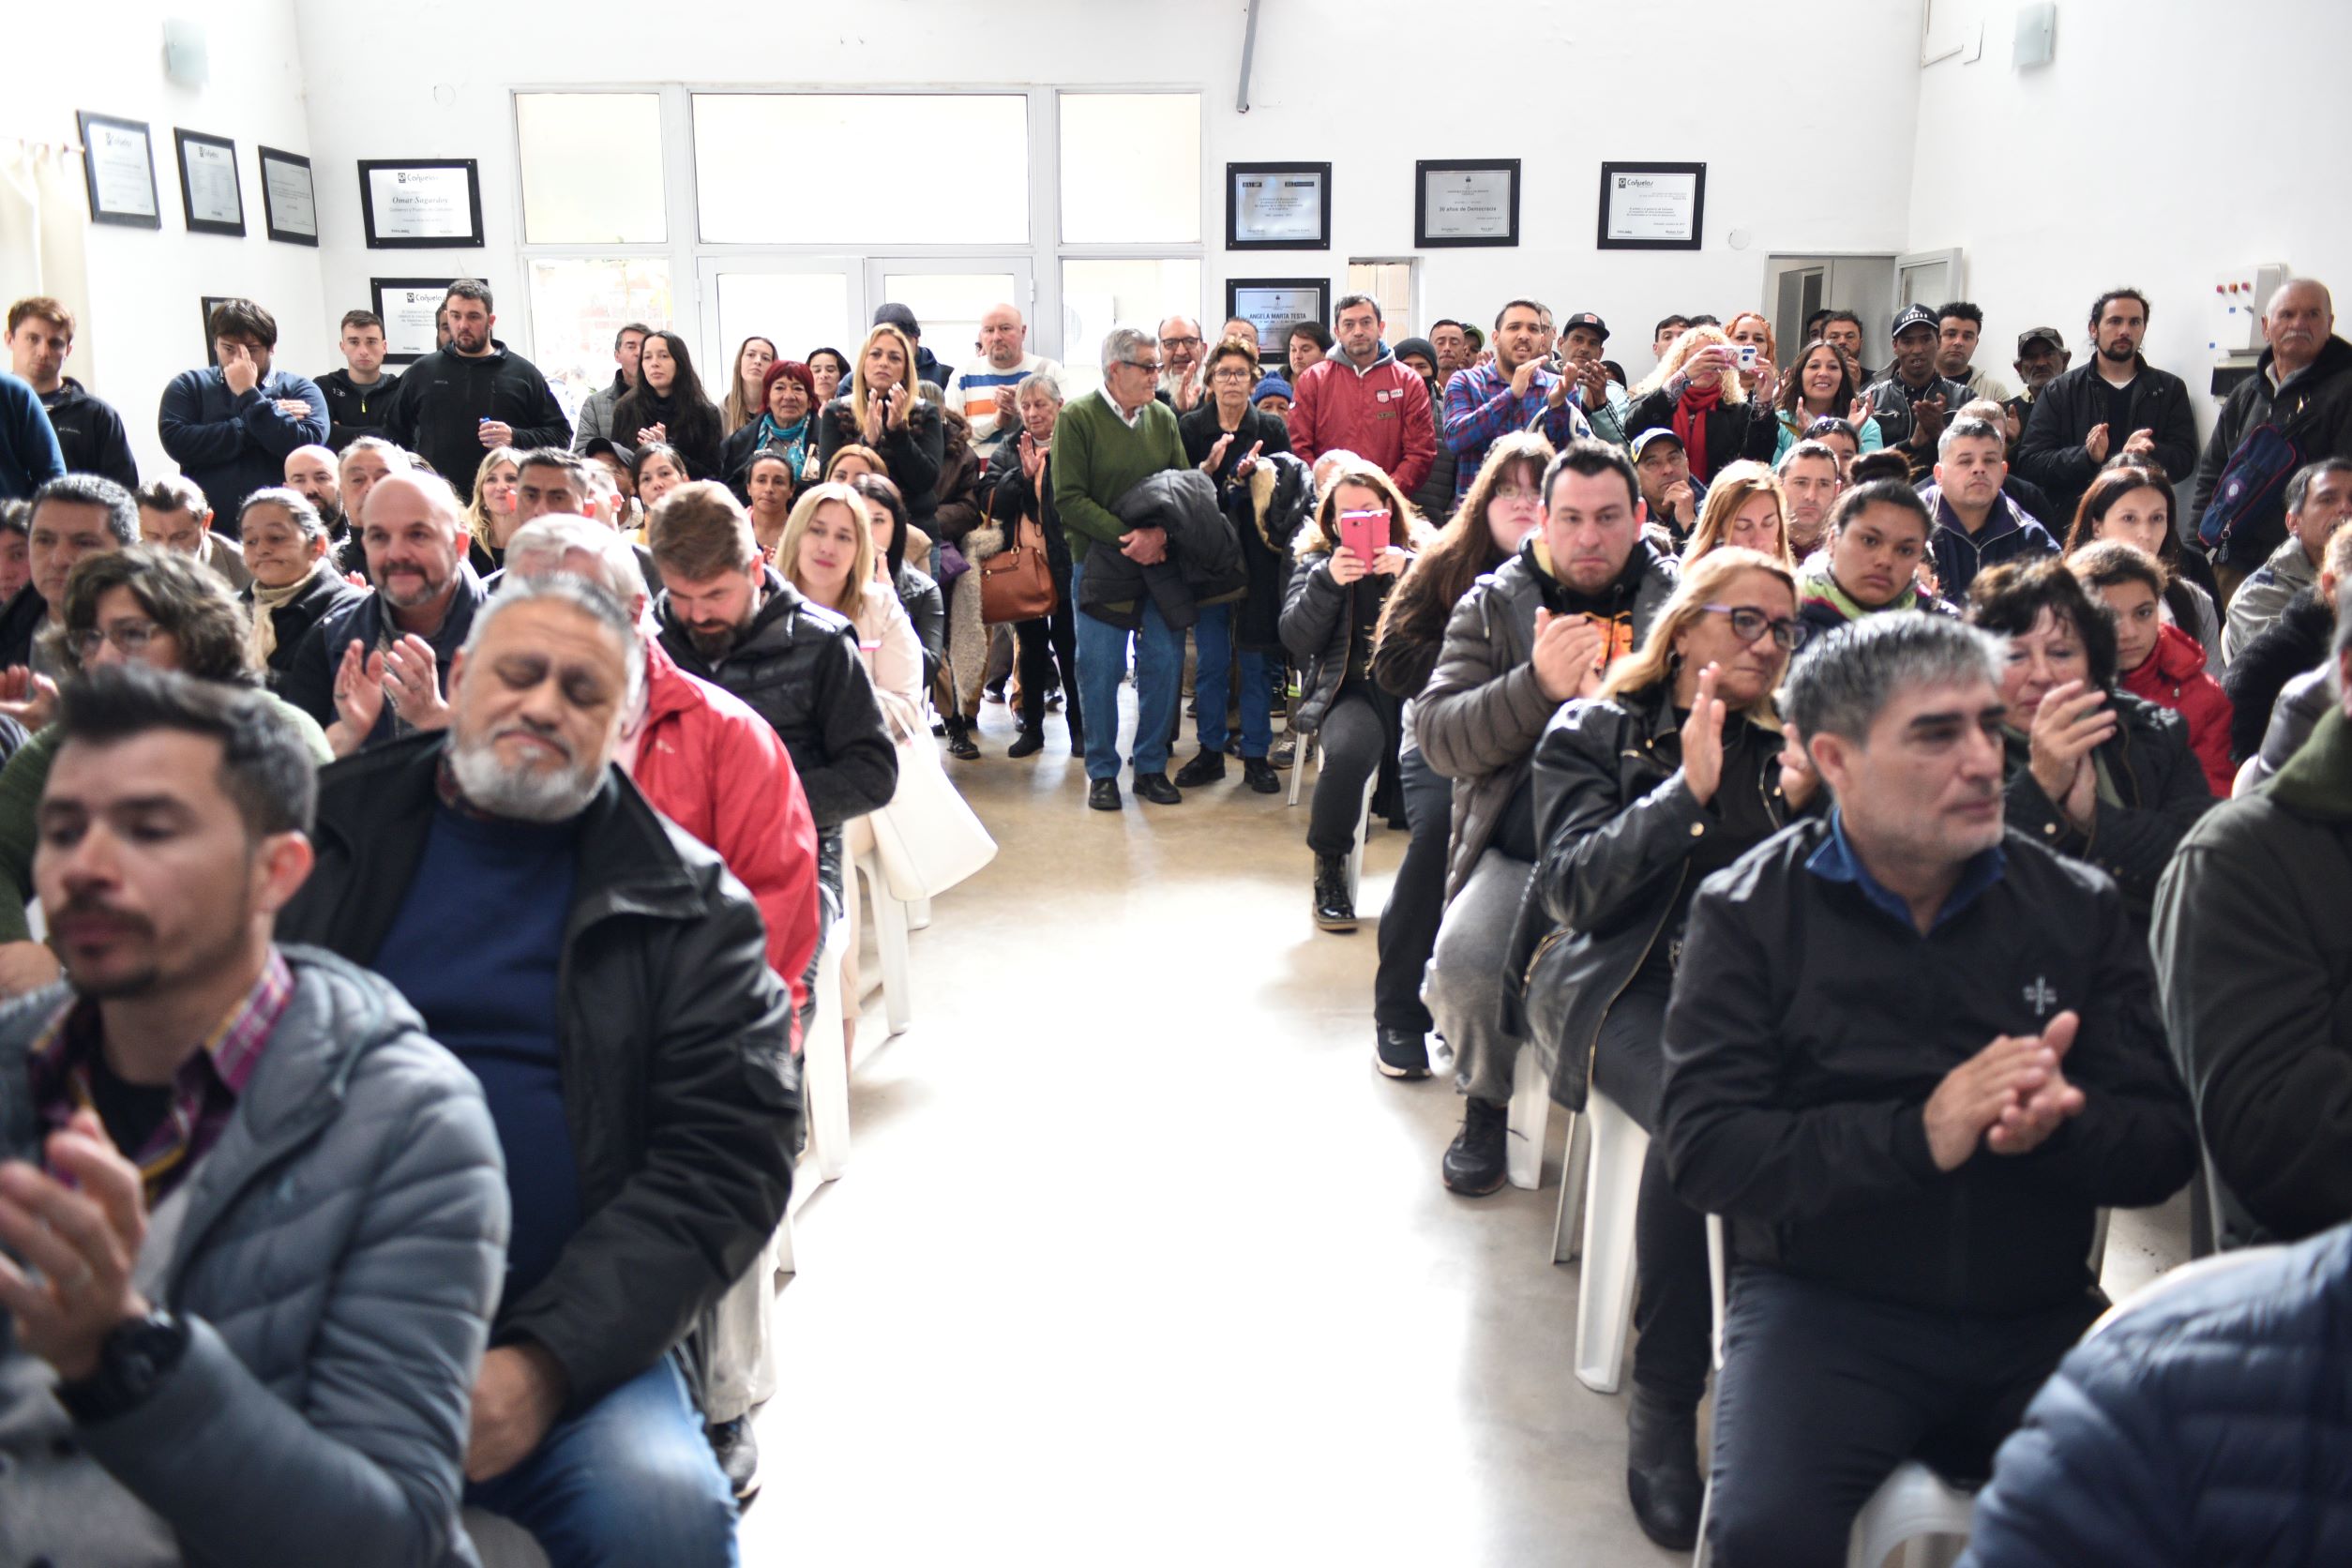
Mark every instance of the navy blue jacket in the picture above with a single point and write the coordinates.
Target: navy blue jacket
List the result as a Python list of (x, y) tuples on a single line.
[(2008, 534), (29, 456), (233, 446), (2211, 1427), (309, 682)]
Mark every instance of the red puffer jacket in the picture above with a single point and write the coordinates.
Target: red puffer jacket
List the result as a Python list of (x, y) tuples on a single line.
[(2174, 677), (711, 764)]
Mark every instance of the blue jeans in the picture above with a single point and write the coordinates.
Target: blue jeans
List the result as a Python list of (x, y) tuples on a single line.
[(1212, 640), (630, 1480), (1159, 674)]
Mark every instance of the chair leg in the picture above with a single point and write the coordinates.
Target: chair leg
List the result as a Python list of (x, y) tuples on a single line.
[(890, 936), (1567, 1234), (785, 1262), (1355, 853), (825, 1063), (1604, 1292), (919, 916), (1530, 1105), (1298, 767)]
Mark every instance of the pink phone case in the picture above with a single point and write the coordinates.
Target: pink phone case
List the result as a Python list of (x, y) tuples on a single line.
[(1363, 537)]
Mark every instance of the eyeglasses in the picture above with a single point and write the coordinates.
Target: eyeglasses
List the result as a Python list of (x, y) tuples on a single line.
[(1151, 365), (131, 639), (1170, 344), (1749, 623), (1233, 372)]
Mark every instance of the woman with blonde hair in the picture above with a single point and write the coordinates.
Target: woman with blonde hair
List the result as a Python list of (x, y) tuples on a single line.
[(1746, 510), (747, 388), (1749, 329), (489, 516), (1697, 393), (1669, 774), (882, 411), (1329, 617)]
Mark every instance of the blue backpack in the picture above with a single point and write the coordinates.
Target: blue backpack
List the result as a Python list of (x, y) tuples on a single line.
[(2250, 486)]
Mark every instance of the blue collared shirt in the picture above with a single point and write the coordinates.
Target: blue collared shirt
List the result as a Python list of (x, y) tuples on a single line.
[(1835, 861)]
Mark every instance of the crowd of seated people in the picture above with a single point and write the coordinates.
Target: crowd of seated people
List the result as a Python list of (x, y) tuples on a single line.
[(1922, 805)]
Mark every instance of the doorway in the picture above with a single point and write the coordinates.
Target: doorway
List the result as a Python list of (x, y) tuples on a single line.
[(1796, 286)]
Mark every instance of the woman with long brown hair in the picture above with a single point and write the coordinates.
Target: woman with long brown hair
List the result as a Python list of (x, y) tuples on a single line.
[(2136, 506), (747, 389), (669, 406)]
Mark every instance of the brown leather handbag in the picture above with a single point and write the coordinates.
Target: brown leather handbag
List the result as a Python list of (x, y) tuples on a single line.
[(1017, 583)]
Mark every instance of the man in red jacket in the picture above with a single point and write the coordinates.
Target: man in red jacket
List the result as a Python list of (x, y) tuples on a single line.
[(1362, 400)]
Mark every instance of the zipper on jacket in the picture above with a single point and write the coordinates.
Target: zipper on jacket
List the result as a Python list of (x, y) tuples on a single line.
[(1593, 1051)]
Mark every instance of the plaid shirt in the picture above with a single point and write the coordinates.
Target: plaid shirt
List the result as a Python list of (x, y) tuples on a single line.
[(204, 1093), (1479, 408)]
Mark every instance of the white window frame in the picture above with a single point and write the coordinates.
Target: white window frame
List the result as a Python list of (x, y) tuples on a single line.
[(685, 249)]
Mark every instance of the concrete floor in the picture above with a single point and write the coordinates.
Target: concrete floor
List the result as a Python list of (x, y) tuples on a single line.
[(1138, 1261)]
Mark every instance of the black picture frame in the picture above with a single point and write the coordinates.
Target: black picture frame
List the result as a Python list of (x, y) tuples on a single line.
[(1611, 171), (86, 122), (1275, 356), (1423, 167), (369, 167), (183, 139), (394, 351), (207, 303), (271, 217), (1233, 240)]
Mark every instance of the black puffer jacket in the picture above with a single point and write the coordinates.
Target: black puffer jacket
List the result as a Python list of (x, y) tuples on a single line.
[(797, 666), (1322, 619), (675, 1039), (913, 455), (2314, 410), (1617, 820), (2163, 791), (927, 608), (323, 592), (1204, 554)]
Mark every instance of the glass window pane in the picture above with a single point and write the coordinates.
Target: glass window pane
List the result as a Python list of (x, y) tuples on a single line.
[(576, 306), (1097, 295), (797, 311), (950, 305), (591, 168), (753, 151), (1392, 284), (1131, 168)]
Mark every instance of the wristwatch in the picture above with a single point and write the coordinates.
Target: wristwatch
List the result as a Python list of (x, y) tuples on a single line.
[(136, 1356)]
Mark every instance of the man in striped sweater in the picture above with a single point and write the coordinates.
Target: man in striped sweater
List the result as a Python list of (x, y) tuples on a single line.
[(983, 390)]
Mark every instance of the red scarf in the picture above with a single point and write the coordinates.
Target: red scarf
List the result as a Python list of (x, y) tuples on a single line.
[(1690, 424)]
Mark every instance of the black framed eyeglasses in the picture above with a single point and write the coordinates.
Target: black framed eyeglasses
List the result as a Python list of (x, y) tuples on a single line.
[(1748, 623)]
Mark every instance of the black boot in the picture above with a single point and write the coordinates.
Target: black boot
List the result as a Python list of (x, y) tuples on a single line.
[(1258, 775), (1207, 768), (1473, 1164), (959, 742), (1662, 1469), (1027, 744), (1333, 910)]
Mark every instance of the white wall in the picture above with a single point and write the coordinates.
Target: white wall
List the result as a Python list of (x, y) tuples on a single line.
[(145, 324), (2168, 141), (1356, 84)]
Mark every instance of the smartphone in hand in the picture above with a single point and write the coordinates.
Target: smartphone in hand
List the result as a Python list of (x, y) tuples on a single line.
[(1364, 535)]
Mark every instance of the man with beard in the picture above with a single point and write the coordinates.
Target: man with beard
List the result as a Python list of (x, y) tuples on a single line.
[(1843, 331), (1181, 356), (2119, 403), (458, 402), (730, 618), (607, 982), (262, 1212), (311, 473), (375, 667), (1911, 403), (1515, 392), (1454, 350), (1808, 477)]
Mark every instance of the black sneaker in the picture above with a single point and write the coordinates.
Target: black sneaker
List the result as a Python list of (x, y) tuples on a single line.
[(1027, 744), (1207, 768), (1156, 787), (738, 1454), (1401, 1053), (1259, 775), (1103, 795), (1473, 1164)]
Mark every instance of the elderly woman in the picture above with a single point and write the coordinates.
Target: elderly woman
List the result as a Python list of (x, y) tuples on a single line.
[(2094, 772), (1697, 393), (294, 580), (1047, 646), (788, 401), (1671, 773)]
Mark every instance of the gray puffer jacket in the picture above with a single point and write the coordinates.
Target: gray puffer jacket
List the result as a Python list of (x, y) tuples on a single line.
[(338, 1263), (1480, 717)]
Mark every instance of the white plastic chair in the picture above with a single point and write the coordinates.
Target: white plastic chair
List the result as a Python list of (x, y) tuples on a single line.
[(1526, 1120), (825, 1075), (1567, 1225), (500, 1542), (1364, 816), (1612, 1199), (919, 916), (890, 937)]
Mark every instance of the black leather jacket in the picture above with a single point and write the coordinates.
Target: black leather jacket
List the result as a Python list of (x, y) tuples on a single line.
[(679, 1085), (2164, 792), (1616, 821)]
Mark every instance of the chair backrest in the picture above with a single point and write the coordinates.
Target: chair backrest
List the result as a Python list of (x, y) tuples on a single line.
[(2166, 1285)]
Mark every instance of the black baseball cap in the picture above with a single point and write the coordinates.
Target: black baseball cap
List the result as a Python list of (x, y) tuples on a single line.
[(900, 317), (1584, 318), (1918, 315)]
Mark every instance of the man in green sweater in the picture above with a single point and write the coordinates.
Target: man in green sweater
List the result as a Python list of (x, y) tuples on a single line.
[(1105, 443)]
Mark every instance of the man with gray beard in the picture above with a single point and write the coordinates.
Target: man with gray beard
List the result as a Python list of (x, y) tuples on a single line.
[(607, 982)]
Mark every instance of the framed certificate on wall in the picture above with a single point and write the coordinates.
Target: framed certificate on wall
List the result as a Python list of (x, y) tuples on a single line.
[(1277, 206), (1274, 306), (1466, 201), (118, 161), (210, 192), (407, 306), (1653, 206), (289, 205), (430, 203)]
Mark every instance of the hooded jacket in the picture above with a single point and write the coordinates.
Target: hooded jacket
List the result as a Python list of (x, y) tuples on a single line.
[(2314, 410), (1381, 412), (234, 443), (2252, 938), (2008, 534), (675, 1053), (1811, 1023), (337, 1264), (796, 664), (439, 406), (2050, 449), (713, 766), (1204, 554), (2173, 676), (1478, 719), (90, 435)]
